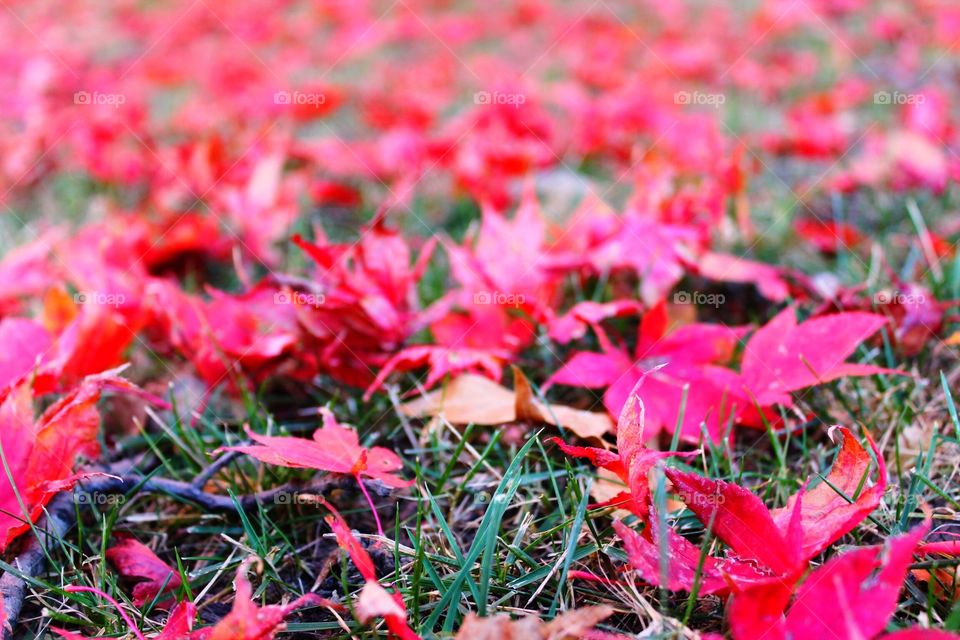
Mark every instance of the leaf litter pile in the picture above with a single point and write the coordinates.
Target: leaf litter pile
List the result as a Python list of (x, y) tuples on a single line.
[(503, 320)]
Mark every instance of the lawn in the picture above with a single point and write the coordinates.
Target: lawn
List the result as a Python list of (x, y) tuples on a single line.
[(518, 319)]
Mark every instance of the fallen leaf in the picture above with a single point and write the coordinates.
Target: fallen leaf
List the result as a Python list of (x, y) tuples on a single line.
[(912, 442), (178, 626), (849, 598), (672, 364), (24, 343), (247, 621), (784, 356), (768, 279), (466, 399), (335, 448), (768, 545), (632, 462), (136, 561), (823, 514), (40, 453), (942, 580), (585, 424), (480, 339), (472, 399), (574, 323), (828, 237), (569, 625)]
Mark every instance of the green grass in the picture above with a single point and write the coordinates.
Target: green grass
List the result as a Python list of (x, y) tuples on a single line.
[(496, 519)]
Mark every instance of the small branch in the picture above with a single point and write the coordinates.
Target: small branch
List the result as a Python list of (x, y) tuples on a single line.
[(183, 490), (207, 474)]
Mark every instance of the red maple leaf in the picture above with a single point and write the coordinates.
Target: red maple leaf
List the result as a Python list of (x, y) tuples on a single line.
[(178, 625), (335, 448), (24, 346), (507, 259), (768, 279), (654, 250), (505, 284), (40, 452), (246, 620), (480, 340), (665, 362), (574, 323), (363, 304), (783, 356), (766, 546), (828, 236), (851, 597), (249, 333), (137, 562), (914, 313), (27, 271), (632, 462)]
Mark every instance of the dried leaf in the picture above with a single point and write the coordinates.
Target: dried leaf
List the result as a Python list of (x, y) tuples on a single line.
[(570, 625), (478, 400)]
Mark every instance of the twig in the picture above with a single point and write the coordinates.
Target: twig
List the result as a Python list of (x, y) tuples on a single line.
[(184, 491), (207, 474)]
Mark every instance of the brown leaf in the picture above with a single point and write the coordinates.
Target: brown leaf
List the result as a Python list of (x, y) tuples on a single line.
[(571, 625), (374, 602), (914, 440), (475, 399), (576, 622), (467, 398)]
